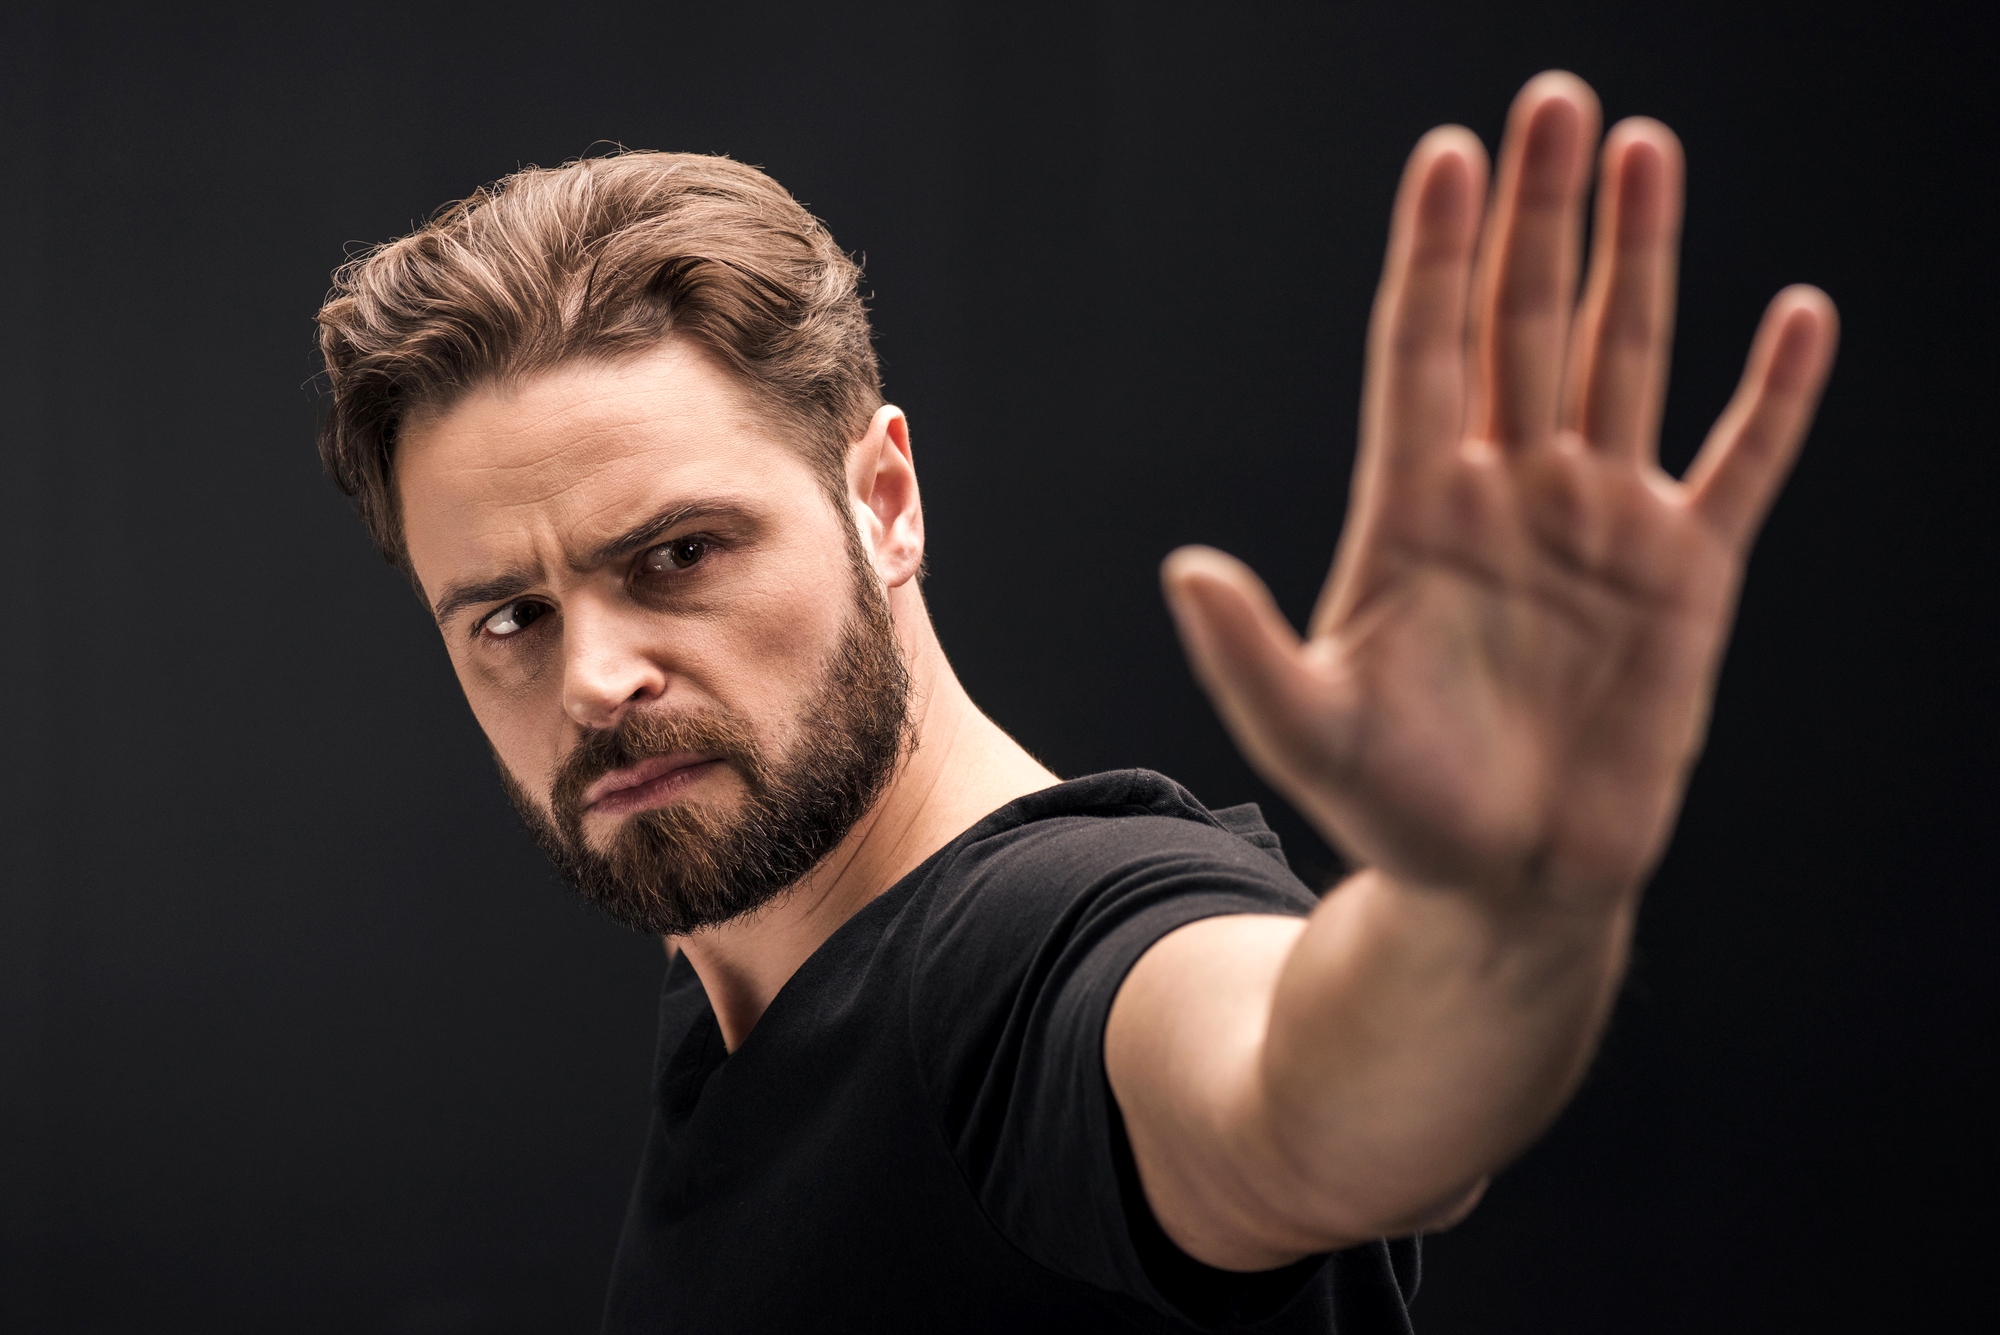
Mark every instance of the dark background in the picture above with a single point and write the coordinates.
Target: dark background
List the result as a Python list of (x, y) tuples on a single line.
[(298, 1033)]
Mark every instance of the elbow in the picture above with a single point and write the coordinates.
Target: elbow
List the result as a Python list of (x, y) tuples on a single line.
[(1345, 1216), (1454, 1213)]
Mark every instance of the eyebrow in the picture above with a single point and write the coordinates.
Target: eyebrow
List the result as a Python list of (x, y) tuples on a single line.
[(506, 584), (656, 528), (499, 587)]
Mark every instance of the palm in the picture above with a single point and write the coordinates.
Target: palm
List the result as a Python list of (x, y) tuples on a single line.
[(1509, 670), (1479, 673)]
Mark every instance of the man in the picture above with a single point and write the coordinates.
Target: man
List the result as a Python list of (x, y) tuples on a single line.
[(946, 1043)]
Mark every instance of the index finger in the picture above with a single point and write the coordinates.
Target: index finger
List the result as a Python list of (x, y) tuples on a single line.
[(1413, 397)]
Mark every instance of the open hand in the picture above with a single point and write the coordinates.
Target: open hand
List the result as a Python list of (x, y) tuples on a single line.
[(1507, 677)]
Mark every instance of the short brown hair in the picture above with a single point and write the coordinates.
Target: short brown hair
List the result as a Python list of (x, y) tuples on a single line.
[(595, 259)]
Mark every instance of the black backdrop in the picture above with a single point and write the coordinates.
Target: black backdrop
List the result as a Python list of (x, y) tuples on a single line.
[(296, 1031)]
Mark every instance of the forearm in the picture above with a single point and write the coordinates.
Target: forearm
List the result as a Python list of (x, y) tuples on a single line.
[(1418, 1039), (1510, 666)]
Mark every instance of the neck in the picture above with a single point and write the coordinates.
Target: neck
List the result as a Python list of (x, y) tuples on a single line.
[(962, 767)]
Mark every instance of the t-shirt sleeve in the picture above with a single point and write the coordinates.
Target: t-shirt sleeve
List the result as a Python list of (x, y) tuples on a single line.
[(1024, 951)]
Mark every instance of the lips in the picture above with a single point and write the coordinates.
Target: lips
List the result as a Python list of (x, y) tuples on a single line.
[(645, 784)]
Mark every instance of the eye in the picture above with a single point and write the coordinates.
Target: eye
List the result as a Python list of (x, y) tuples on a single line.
[(514, 618), (676, 555)]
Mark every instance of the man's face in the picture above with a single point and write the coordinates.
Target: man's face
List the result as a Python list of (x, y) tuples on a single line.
[(675, 645)]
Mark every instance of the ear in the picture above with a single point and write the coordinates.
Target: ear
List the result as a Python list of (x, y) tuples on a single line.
[(882, 489)]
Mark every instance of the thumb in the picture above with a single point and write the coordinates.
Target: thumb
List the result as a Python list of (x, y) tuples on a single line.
[(1243, 651)]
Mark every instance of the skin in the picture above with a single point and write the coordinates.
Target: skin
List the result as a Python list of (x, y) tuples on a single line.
[(543, 478), (1495, 709)]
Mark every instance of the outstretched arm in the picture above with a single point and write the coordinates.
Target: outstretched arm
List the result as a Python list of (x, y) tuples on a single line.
[(1495, 710)]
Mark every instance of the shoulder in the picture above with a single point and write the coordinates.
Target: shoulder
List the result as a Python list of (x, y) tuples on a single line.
[(1066, 865), (1030, 922), (1118, 824)]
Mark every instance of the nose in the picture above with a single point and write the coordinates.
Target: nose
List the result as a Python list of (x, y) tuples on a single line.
[(607, 669)]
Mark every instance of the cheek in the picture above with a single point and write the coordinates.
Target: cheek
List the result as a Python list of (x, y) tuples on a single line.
[(521, 713), (772, 650)]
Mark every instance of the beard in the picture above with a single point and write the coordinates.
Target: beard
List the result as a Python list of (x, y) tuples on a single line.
[(676, 869)]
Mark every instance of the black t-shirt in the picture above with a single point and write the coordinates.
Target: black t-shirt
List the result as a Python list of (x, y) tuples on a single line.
[(918, 1135)]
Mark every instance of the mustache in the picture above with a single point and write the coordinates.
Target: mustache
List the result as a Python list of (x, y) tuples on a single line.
[(643, 734), (679, 868)]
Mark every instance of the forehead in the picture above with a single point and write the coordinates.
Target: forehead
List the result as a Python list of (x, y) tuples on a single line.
[(563, 461)]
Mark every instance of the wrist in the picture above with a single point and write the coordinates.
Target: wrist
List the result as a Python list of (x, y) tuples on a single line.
[(1542, 936)]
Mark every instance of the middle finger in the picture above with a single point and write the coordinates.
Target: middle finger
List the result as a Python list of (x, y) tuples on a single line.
[(1529, 257)]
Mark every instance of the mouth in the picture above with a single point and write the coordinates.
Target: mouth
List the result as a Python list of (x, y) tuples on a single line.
[(654, 782)]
